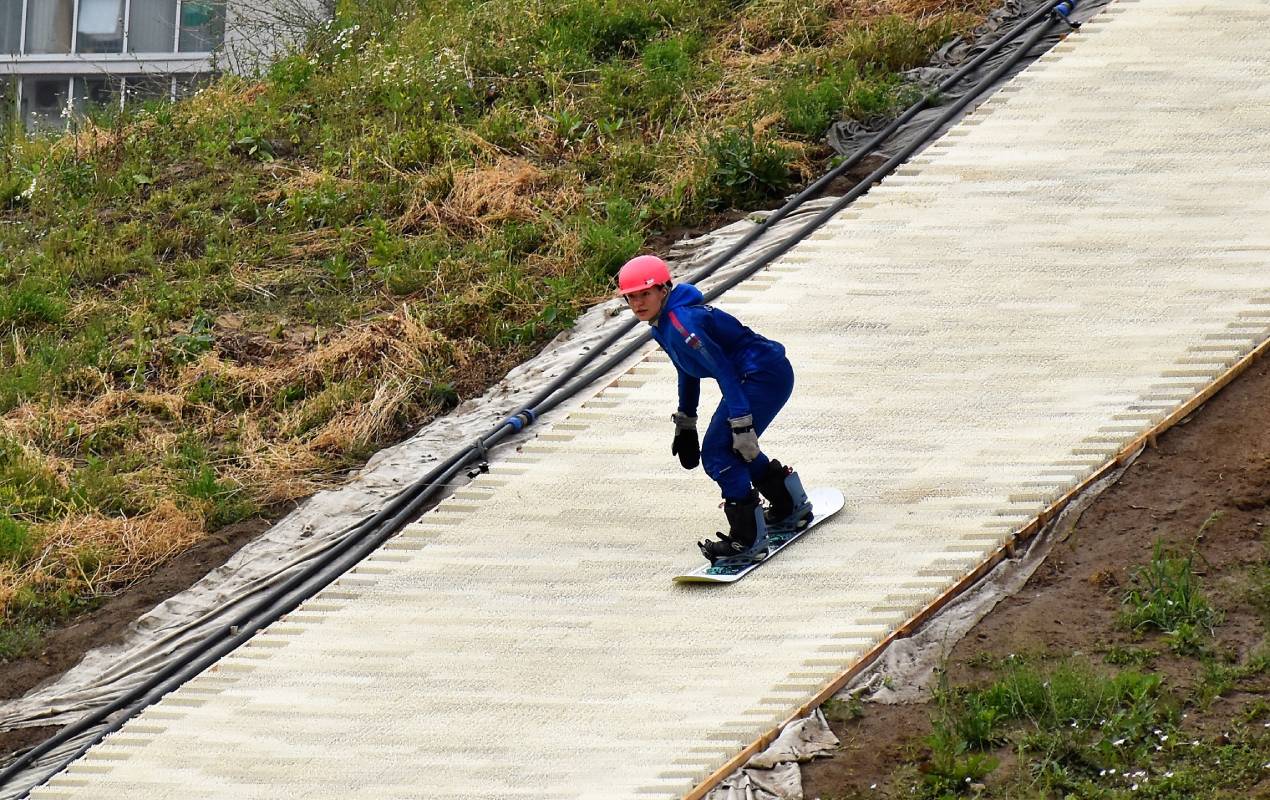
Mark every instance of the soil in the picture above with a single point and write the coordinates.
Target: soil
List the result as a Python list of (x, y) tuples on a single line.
[(1207, 483)]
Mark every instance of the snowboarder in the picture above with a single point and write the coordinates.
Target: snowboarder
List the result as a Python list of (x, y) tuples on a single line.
[(756, 380)]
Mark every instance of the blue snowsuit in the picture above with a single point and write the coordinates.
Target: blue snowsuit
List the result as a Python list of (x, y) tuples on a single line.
[(753, 374)]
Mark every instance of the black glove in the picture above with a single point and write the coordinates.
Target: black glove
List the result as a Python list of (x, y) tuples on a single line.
[(744, 439), (686, 445)]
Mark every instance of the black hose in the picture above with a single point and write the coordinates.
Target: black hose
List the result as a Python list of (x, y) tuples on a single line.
[(369, 534)]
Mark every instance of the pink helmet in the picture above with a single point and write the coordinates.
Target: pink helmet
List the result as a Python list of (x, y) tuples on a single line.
[(640, 273)]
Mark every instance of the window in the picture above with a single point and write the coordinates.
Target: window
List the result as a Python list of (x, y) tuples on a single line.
[(190, 85), (152, 27), (43, 100), (96, 92), (146, 88), (10, 26), (48, 26), (100, 26), (202, 25)]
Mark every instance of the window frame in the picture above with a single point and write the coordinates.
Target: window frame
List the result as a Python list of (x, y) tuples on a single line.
[(170, 65), (127, 25)]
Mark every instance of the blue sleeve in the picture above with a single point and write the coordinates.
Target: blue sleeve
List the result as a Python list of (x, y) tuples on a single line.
[(689, 393), (720, 367)]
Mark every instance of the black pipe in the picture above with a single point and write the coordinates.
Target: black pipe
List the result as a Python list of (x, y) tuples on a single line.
[(368, 535)]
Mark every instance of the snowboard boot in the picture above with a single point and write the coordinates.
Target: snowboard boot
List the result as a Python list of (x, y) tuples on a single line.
[(790, 510), (746, 536)]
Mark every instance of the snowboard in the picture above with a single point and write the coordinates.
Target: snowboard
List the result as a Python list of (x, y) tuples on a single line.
[(825, 502)]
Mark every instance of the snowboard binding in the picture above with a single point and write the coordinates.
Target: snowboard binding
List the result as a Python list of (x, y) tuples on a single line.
[(746, 539), (789, 511)]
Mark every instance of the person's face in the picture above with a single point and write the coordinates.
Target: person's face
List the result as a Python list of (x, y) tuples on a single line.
[(646, 303)]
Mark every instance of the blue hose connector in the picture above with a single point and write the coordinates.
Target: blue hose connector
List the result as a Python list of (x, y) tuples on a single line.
[(1062, 11), (521, 419)]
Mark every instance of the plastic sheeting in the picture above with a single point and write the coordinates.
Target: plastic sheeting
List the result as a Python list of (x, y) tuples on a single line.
[(774, 774), (905, 671)]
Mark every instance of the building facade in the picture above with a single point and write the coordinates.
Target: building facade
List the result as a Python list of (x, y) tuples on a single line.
[(59, 56)]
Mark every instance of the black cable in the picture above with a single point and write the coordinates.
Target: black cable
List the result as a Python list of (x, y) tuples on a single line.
[(369, 534)]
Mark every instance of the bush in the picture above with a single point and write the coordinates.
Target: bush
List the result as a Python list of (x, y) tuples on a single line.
[(747, 170)]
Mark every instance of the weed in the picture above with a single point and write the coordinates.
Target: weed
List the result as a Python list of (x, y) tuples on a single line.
[(669, 66), (29, 489), (189, 346), (810, 106), (1218, 677), (16, 542), (19, 639), (1129, 656), (952, 767), (748, 169), (1166, 597), (611, 242), (838, 709), (32, 301), (894, 44), (1068, 720)]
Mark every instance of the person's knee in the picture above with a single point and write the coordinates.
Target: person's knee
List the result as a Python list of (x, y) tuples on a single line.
[(716, 461)]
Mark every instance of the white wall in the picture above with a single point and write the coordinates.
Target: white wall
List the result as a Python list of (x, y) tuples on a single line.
[(255, 33)]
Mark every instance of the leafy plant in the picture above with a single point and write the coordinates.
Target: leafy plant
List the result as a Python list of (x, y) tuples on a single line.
[(747, 169), (838, 709), (200, 339), (1165, 596), (411, 202), (15, 540)]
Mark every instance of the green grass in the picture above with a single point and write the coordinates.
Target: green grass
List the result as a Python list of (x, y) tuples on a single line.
[(16, 541), (1064, 716), (220, 305), (19, 639), (1078, 732), (838, 709), (1075, 729), (1166, 597)]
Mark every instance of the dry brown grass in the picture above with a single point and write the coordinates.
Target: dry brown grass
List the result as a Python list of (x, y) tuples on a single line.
[(476, 199), (295, 181), (366, 385), (95, 555)]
